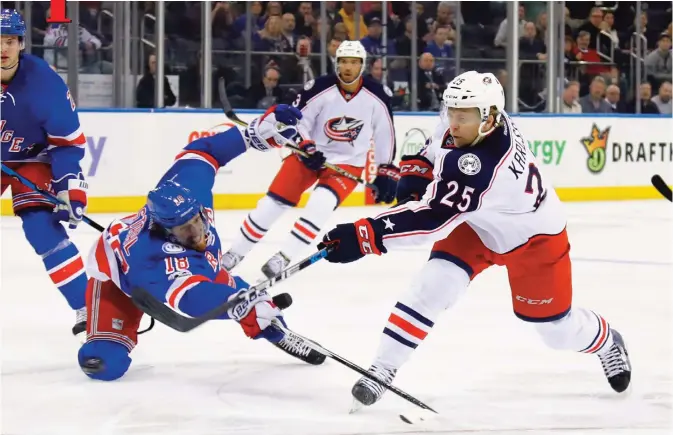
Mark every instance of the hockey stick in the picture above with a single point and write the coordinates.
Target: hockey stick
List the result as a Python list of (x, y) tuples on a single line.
[(46, 194), (341, 360), (229, 112), (163, 313), (662, 187)]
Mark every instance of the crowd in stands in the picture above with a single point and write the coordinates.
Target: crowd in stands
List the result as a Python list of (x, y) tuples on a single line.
[(600, 49)]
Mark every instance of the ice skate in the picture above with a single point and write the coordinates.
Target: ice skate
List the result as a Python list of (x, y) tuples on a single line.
[(80, 323), (275, 265), (366, 391), (230, 260), (297, 347), (616, 364)]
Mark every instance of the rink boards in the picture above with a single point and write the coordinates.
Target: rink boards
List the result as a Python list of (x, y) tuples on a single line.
[(588, 158)]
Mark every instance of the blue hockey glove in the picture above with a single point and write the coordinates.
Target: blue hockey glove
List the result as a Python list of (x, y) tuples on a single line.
[(386, 180), (71, 191), (255, 317), (315, 158), (273, 128), (350, 242), (415, 175)]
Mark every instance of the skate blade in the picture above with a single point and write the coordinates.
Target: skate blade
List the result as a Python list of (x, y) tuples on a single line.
[(356, 406)]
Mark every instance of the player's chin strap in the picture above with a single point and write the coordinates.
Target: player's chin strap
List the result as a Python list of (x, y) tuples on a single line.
[(54, 200)]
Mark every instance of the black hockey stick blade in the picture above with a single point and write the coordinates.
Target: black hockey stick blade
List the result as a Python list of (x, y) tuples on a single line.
[(662, 187), (152, 306), (226, 105), (343, 361)]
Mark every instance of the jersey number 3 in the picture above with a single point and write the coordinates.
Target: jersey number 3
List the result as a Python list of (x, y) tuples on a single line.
[(535, 177)]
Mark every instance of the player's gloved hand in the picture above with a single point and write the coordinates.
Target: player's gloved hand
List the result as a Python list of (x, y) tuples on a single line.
[(255, 316), (415, 175), (71, 191), (350, 242), (386, 180), (273, 128), (315, 158)]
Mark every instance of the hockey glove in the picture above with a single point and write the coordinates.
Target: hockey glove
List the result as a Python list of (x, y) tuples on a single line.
[(255, 316), (386, 183), (351, 242), (71, 191), (415, 175), (273, 128), (315, 158)]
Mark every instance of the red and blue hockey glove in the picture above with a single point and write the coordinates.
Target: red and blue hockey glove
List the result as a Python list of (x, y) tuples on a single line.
[(386, 180), (415, 175), (273, 128), (351, 242), (71, 191), (315, 158), (255, 317)]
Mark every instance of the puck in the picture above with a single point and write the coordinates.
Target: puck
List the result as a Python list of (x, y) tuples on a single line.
[(282, 300)]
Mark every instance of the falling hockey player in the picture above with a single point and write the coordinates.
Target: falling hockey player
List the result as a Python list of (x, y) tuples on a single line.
[(486, 204), (342, 115), (42, 140), (171, 249)]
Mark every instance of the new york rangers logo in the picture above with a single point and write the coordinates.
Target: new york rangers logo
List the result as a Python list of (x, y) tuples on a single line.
[(178, 200), (343, 129)]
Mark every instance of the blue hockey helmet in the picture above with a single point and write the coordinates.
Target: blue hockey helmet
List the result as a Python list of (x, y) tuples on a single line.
[(171, 204), (11, 23)]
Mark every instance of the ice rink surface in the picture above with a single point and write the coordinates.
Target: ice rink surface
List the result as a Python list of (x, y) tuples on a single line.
[(484, 370)]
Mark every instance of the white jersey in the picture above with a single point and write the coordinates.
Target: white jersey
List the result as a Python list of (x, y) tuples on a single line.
[(496, 186), (344, 125)]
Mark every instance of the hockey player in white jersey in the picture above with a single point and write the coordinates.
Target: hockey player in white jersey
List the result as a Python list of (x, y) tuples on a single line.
[(342, 115), (484, 202)]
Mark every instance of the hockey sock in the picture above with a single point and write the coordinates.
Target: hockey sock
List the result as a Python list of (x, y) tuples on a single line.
[(439, 285), (581, 330), (256, 224), (59, 255), (318, 209)]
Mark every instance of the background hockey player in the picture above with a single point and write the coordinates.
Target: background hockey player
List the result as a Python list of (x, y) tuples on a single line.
[(171, 249), (487, 203), (342, 115), (42, 140)]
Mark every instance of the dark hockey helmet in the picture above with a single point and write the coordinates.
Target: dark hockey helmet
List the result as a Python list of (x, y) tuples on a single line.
[(176, 210), (11, 23)]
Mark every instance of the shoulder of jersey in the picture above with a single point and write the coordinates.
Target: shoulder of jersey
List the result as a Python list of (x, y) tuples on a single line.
[(383, 92), (39, 72), (321, 83)]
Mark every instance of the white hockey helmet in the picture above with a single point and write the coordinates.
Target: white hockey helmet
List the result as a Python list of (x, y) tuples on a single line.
[(351, 49), (472, 89)]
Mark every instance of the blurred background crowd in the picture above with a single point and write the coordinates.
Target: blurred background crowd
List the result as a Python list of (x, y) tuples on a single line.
[(616, 56)]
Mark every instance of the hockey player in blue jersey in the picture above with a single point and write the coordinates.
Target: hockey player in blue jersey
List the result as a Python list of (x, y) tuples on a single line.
[(42, 140), (171, 249)]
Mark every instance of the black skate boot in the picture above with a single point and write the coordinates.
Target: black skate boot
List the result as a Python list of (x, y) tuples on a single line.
[(80, 324), (616, 364), (295, 346), (366, 391)]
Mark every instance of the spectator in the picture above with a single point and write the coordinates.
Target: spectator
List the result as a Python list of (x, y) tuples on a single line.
[(613, 98), (331, 12), (89, 54), (287, 26), (531, 47), (302, 71), (608, 26), (271, 38), (650, 34), (614, 77), (663, 99), (332, 46), (646, 104), (442, 50), (305, 19), (430, 83), (658, 62), (584, 53), (347, 14), (594, 101), (376, 70), (593, 26), (501, 37), (145, 89), (222, 20), (446, 17), (372, 41), (570, 95), (571, 24), (268, 94), (273, 9), (541, 26), (257, 21), (340, 31), (403, 42)]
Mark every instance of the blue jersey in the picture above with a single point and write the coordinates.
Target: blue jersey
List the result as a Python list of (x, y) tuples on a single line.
[(40, 121), (133, 252)]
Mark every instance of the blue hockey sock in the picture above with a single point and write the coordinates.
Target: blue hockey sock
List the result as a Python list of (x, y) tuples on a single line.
[(60, 256)]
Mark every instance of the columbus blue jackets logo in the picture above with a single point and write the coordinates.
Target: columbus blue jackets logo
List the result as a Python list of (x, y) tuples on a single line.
[(343, 129)]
